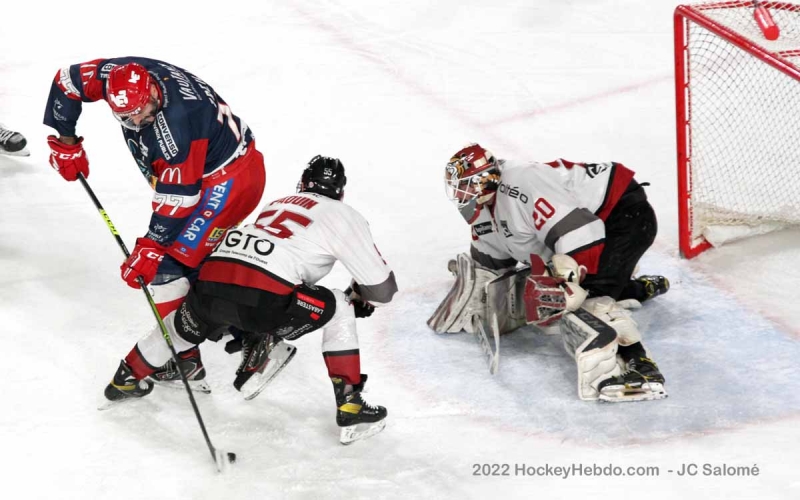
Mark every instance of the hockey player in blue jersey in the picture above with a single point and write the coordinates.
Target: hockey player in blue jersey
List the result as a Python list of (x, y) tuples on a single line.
[(199, 158)]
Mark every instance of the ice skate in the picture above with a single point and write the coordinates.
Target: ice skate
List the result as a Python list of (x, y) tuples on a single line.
[(124, 387), (641, 381), (653, 286), (263, 357), (357, 418), (192, 366), (12, 143)]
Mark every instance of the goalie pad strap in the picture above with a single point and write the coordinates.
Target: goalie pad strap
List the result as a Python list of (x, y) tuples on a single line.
[(618, 316)]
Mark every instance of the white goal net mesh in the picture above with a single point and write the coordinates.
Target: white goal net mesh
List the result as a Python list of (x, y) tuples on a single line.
[(744, 123)]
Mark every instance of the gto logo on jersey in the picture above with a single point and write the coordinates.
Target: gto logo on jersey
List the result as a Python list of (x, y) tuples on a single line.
[(238, 239), (513, 192)]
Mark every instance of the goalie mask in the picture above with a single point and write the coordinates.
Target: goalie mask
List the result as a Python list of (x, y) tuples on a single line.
[(471, 179), (324, 176)]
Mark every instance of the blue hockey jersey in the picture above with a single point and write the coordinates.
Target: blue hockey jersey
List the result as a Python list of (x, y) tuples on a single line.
[(195, 135)]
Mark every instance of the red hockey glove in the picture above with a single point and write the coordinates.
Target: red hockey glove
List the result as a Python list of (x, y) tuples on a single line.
[(548, 298), (144, 262), (68, 160), (545, 301)]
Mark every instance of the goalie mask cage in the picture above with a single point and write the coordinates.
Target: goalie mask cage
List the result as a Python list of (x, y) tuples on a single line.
[(738, 122)]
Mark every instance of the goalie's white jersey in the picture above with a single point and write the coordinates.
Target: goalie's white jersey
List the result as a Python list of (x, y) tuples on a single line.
[(548, 208), (298, 239)]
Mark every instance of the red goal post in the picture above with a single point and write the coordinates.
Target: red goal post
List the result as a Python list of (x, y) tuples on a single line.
[(738, 121)]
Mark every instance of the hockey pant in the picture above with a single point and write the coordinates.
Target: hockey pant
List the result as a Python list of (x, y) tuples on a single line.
[(228, 197), (631, 228), (210, 309)]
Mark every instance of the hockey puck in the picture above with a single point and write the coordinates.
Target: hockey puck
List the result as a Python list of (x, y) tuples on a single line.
[(232, 457)]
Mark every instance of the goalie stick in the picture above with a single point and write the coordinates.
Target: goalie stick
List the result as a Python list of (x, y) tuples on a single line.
[(491, 349), (222, 459)]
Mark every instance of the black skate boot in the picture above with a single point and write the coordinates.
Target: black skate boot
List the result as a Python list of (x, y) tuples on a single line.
[(191, 365), (263, 357), (641, 381), (652, 286), (124, 386), (357, 418), (12, 143)]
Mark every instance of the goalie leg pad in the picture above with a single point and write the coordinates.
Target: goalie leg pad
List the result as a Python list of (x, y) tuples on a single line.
[(464, 300), (593, 345), (618, 316)]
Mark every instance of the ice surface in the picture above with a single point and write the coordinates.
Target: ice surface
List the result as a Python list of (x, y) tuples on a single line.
[(392, 88)]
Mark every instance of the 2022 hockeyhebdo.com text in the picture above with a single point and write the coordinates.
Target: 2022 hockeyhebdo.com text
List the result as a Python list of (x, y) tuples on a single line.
[(611, 470)]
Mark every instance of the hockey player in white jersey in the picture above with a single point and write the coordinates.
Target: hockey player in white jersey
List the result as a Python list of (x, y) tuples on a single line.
[(261, 280), (593, 222)]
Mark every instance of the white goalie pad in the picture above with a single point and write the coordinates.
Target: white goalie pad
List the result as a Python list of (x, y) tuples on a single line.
[(482, 303), (504, 312), (465, 299), (593, 345), (505, 298), (618, 316)]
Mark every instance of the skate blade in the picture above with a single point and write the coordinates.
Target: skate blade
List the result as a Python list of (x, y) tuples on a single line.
[(21, 152), (107, 404), (353, 433), (279, 357), (623, 394), (196, 385)]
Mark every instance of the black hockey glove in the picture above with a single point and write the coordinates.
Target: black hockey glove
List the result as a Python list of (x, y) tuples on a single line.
[(362, 308)]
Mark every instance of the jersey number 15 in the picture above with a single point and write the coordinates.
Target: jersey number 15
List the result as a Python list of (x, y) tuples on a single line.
[(277, 226)]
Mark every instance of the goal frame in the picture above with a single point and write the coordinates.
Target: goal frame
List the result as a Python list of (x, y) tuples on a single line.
[(691, 247)]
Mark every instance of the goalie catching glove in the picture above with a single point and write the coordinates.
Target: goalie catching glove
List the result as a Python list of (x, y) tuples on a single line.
[(553, 289)]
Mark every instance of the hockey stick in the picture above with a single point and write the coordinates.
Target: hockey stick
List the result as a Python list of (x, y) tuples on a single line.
[(221, 458)]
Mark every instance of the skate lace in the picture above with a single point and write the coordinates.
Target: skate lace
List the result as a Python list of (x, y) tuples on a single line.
[(5, 134), (170, 369), (246, 350), (365, 403), (631, 368)]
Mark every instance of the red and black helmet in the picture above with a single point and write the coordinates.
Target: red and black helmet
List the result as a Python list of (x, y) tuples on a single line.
[(471, 173)]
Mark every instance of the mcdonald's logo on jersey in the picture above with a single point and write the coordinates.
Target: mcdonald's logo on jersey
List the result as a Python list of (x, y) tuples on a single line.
[(171, 175)]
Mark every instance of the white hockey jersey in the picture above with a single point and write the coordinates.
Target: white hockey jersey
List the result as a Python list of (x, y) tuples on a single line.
[(548, 208), (298, 239)]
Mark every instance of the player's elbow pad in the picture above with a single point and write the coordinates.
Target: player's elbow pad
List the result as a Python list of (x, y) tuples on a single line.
[(380, 294)]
